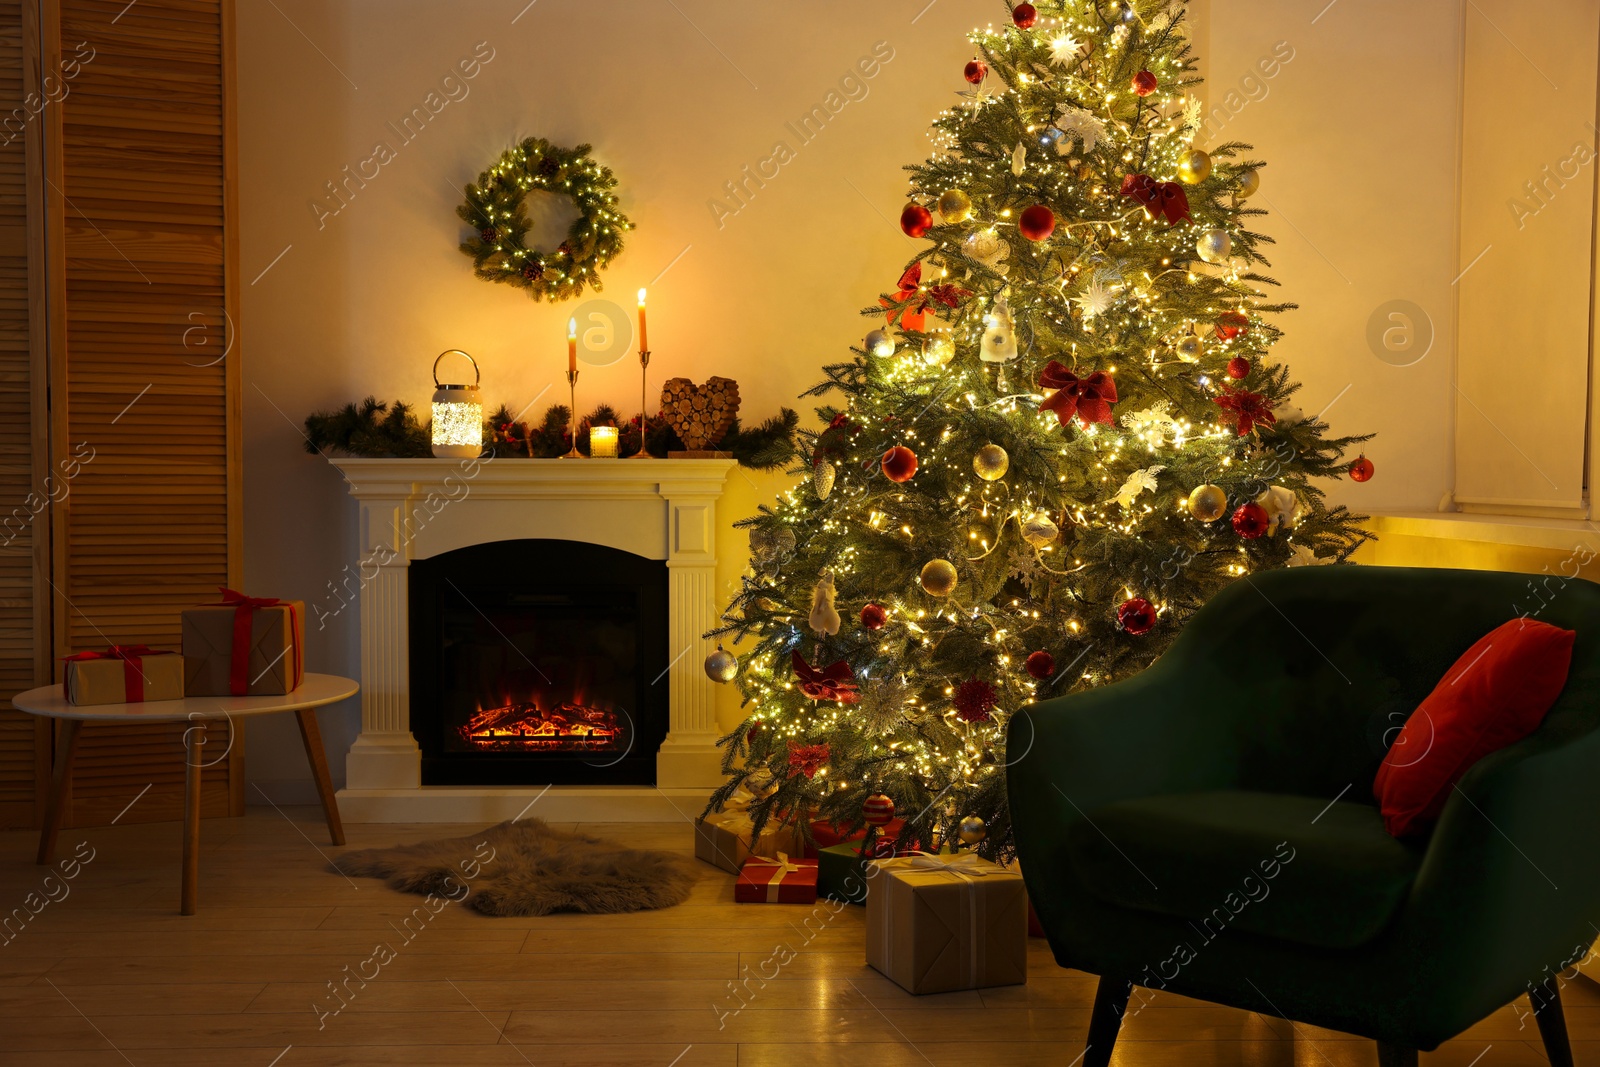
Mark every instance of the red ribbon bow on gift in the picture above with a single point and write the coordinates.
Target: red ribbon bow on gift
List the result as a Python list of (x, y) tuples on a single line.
[(1089, 399), (1248, 408), (836, 681), (132, 674), (244, 608), (910, 303), (1160, 199)]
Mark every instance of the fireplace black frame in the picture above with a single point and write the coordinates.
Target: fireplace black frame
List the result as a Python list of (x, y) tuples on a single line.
[(499, 573)]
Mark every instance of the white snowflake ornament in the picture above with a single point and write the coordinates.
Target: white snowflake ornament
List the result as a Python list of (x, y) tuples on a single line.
[(1139, 482), (1081, 127)]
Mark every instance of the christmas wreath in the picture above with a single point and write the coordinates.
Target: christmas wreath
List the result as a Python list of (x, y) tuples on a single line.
[(494, 209)]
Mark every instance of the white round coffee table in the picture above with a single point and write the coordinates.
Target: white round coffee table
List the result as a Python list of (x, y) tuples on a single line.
[(317, 689)]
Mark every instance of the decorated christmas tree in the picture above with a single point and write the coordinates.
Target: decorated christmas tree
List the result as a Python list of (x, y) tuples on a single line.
[(1066, 434)]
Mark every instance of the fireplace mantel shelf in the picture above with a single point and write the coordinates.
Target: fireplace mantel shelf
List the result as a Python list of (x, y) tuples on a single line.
[(413, 509)]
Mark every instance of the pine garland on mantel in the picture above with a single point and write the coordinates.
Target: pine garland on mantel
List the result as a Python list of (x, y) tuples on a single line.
[(373, 429)]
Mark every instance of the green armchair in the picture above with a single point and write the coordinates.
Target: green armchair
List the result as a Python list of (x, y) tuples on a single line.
[(1207, 826)]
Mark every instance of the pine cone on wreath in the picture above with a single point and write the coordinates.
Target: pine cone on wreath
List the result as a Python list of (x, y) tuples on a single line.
[(489, 235)]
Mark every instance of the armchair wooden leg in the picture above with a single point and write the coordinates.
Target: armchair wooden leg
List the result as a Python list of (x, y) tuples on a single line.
[(1552, 1022), (1395, 1056), (1110, 1004)]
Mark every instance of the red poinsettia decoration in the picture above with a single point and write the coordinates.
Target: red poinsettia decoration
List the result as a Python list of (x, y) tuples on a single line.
[(1160, 199), (807, 759), (1088, 399), (1247, 408), (908, 307), (975, 699), (836, 681)]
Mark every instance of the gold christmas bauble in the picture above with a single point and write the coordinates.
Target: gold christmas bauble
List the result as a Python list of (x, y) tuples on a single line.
[(1190, 348), (721, 666), (972, 830), (991, 463), (939, 577), (1249, 181), (1194, 167), (955, 205), (1214, 246), (1039, 529), (938, 350), (1208, 502), (879, 343)]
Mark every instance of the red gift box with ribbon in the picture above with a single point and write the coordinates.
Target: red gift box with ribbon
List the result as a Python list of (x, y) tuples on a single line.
[(827, 834), (776, 881), (244, 646), (122, 674)]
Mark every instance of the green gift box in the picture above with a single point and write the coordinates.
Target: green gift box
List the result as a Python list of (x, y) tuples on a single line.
[(842, 872)]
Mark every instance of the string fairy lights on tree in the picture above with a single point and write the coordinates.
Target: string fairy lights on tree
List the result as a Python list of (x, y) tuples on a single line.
[(1067, 434)]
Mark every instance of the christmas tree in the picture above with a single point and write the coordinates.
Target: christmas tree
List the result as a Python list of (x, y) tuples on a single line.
[(1067, 435)]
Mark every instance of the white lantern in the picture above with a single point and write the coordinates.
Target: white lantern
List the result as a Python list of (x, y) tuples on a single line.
[(457, 414)]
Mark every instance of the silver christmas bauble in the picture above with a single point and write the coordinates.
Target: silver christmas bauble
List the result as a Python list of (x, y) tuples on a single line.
[(722, 666), (972, 830), (822, 476), (1039, 529), (1208, 503), (1190, 348), (879, 343), (1214, 246), (991, 463), (1249, 181), (938, 577)]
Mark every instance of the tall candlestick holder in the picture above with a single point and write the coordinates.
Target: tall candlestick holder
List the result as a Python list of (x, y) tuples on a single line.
[(644, 416), (572, 414)]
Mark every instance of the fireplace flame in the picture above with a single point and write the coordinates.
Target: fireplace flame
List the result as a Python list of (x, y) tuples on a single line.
[(525, 725)]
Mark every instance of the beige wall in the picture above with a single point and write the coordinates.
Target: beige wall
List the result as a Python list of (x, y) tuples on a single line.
[(1359, 127)]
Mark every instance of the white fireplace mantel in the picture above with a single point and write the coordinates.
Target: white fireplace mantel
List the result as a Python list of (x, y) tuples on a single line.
[(418, 508)]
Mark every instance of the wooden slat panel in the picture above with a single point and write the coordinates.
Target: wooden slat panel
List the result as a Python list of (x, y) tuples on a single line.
[(151, 521)]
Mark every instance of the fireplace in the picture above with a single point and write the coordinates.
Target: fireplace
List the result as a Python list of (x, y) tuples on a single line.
[(538, 662)]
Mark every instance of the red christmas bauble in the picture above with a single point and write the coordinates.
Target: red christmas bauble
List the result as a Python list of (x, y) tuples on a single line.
[(1231, 324), (975, 71), (1024, 15), (1136, 616), (1144, 83), (1037, 223), (1041, 664), (873, 617), (1238, 367), (975, 699), (1251, 521), (1361, 470), (915, 220), (899, 464), (877, 810)]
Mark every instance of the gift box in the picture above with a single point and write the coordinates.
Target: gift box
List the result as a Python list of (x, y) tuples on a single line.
[(942, 923), (779, 880), (725, 839), (827, 834), (843, 871), (123, 674), (244, 646)]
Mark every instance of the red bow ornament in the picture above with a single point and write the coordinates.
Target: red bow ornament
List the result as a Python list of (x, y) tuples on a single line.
[(909, 306), (132, 673), (244, 609), (1248, 408), (834, 682), (1088, 399), (807, 759), (1160, 199)]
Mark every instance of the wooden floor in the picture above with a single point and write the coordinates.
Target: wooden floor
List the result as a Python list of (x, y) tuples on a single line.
[(109, 974)]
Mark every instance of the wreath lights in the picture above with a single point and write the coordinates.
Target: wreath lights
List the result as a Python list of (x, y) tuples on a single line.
[(494, 208)]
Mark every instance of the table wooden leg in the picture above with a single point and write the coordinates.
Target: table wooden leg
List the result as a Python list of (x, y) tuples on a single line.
[(193, 738), (318, 756), (60, 778)]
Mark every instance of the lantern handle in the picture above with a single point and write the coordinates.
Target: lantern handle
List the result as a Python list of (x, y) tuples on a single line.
[(477, 375)]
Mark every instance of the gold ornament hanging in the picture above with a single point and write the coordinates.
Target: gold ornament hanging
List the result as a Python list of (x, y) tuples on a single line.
[(1208, 502), (938, 350), (1248, 182), (955, 205), (1194, 167), (938, 577), (1190, 348), (721, 666), (972, 830), (1214, 246), (991, 463), (1039, 529)]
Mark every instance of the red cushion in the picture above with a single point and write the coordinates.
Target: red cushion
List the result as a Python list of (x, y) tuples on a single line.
[(1498, 692)]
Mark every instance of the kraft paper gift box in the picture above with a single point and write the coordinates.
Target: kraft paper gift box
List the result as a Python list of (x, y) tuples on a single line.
[(243, 646), (942, 923), (723, 839), (776, 881), (123, 675)]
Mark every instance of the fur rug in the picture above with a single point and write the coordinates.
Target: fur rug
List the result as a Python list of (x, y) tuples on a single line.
[(526, 868)]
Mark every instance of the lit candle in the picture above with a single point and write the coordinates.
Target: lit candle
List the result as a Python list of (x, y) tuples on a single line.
[(603, 442), (644, 340), (572, 346)]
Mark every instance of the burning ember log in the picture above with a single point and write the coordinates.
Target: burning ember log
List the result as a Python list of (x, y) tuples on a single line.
[(521, 726)]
